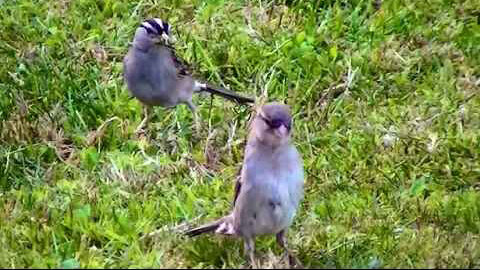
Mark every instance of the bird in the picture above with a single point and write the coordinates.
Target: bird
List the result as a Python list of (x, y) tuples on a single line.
[(156, 76), (270, 186)]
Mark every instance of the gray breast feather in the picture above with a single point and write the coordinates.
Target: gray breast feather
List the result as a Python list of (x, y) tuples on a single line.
[(149, 75), (270, 194)]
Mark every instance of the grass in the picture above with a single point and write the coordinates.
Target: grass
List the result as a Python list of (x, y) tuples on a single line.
[(385, 96)]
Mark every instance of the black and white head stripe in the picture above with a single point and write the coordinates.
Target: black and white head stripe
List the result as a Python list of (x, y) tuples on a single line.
[(156, 26)]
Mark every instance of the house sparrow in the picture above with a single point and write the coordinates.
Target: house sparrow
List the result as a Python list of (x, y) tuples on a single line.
[(270, 186)]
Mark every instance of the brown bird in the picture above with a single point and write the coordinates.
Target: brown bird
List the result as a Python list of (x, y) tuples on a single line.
[(270, 186)]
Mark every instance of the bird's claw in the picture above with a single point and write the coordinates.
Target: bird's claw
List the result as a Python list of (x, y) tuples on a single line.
[(140, 131), (293, 262)]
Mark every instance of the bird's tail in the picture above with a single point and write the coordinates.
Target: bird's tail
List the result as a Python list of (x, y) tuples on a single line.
[(227, 94), (221, 226)]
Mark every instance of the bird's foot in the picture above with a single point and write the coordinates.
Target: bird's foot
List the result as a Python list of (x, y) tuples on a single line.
[(140, 132), (254, 264), (291, 260), (294, 262)]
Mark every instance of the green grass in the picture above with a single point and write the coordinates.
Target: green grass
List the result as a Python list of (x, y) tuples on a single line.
[(387, 118)]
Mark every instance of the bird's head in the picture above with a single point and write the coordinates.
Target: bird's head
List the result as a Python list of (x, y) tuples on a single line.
[(153, 31), (273, 124)]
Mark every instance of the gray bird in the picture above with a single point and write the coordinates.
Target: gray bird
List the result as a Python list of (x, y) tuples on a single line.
[(157, 77), (270, 186)]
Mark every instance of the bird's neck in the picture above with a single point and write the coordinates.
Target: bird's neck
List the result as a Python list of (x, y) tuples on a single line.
[(266, 146), (142, 45)]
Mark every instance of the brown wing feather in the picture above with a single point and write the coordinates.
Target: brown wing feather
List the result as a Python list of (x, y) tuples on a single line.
[(238, 186), (182, 67)]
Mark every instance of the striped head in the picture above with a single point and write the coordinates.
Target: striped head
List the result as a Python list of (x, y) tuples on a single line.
[(153, 31)]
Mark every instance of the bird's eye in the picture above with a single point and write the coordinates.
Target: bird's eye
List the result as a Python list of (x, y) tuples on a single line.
[(275, 123), (166, 28)]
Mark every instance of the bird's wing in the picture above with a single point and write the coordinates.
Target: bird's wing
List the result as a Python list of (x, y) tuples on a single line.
[(182, 67), (238, 179), (296, 177), (238, 186), (243, 172), (126, 60)]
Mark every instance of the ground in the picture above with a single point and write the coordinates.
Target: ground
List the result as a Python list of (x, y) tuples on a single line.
[(386, 105)]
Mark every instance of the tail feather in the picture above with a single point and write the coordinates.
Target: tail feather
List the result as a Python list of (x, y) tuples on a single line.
[(202, 229), (228, 94), (221, 226)]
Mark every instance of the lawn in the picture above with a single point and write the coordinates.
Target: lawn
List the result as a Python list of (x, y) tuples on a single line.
[(386, 103)]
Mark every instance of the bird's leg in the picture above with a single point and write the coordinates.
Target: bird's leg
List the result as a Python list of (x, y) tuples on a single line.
[(282, 242), (196, 120), (249, 246), (146, 118)]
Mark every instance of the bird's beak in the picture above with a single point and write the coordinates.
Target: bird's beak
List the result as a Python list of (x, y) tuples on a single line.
[(157, 40), (281, 131), (168, 39)]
